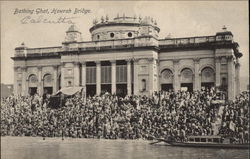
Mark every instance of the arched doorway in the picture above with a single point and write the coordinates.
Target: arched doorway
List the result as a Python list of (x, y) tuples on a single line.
[(47, 84), (207, 78), (166, 80), (32, 84), (187, 79)]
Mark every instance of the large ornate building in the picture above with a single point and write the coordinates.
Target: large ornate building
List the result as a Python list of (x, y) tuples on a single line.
[(126, 56)]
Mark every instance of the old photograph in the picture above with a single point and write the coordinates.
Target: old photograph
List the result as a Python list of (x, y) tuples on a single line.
[(124, 79)]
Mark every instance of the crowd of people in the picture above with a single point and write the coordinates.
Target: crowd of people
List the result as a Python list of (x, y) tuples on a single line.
[(164, 114)]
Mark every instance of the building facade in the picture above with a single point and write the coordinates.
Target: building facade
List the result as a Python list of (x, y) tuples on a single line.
[(126, 56)]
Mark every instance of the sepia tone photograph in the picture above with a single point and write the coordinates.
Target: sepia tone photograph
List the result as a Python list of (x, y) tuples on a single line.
[(124, 79)]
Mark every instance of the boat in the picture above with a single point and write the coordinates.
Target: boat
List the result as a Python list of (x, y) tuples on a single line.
[(205, 142)]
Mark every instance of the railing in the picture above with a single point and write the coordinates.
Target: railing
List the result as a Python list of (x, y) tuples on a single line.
[(193, 40), (43, 50), (118, 43)]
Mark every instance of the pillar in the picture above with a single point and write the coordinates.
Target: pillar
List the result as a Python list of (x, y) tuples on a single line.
[(197, 77), (98, 77), (237, 77), (55, 83), (158, 87), (113, 76), (24, 81), (136, 84), (176, 75), (84, 77), (151, 82), (129, 77), (15, 81), (62, 75), (76, 74), (217, 73), (230, 78), (40, 80)]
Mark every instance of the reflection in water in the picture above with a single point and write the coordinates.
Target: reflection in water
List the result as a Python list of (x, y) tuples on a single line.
[(55, 148)]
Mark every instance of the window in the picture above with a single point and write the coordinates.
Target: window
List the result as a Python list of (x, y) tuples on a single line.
[(112, 35), (69, 83), (129, 34), (143, 85), (98, 36)]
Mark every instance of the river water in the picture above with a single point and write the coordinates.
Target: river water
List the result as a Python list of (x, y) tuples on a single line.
[(69, 148)]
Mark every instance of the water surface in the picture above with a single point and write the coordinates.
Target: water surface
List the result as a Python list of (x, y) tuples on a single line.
[(69, 148)]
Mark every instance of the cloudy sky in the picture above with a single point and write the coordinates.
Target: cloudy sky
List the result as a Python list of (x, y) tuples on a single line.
[(181, 19)]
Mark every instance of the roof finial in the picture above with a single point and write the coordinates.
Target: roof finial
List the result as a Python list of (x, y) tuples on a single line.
[(123, 15), (22, 44), (95, 21), (155, 22), (102, 19), (118, 15), (107, 18), (224, 28)]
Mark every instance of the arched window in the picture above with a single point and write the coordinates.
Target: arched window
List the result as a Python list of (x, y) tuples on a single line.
[(33, 81), (167, 76), (186, 75), (47, 80), (207, 75)]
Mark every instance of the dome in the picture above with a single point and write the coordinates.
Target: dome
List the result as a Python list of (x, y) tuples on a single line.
[(73, 28), (123, 27)]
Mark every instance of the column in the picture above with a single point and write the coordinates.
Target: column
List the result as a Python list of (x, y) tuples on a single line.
[(98, 77), (230, 77), (15, 80), (237, 77), (176, 75), (62, 74), (158, 86), (197, 81), (217, 73), (113, 76), (151, 75), (84, 78), (76, 74), (55, 82), (24, 81), (129, 77), (136, 85), (40, 81)]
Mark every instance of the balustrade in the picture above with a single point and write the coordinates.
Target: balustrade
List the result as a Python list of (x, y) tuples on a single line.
[(119, 43)]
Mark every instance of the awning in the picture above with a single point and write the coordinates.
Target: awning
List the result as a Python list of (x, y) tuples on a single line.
[(69, 90)]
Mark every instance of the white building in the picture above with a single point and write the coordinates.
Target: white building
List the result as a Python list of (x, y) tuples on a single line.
[(126, 56)]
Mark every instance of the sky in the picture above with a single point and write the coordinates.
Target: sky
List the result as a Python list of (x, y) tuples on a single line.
[(180, 19)]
